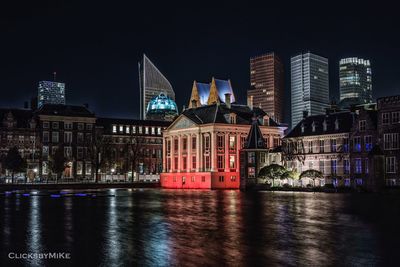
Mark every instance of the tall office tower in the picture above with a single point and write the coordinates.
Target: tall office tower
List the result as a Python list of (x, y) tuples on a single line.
[(151, 84), (355, 81), (267, 84), (310, 85), (51, 93)]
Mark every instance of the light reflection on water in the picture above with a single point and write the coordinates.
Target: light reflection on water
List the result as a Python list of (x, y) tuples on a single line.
[(212, 228)]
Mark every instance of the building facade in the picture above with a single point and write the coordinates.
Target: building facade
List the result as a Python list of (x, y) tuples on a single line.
[(132, 149), (309, 86), (19, 128), (321, 142), (51, 93), (355, 81), (151, 83), (201, 147), (267, 84), (71, 129), (388, 132)]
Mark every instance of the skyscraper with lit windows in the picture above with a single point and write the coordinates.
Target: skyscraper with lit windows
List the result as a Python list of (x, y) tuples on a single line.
[(355, 79), (151, 84), (309, 86), (267, 84), (51, 93)]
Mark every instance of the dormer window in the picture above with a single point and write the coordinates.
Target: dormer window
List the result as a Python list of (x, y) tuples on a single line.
[(325, 126), (266, 120), (302, 128), (313, 127), (336, 124)]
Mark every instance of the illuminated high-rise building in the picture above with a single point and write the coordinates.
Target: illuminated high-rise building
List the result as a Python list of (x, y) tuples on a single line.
[(309, 86), (267, 84), (355, 81), (51, 93), (151, 83)]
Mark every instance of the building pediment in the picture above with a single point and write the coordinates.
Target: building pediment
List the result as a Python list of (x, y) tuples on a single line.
[(182, 122)]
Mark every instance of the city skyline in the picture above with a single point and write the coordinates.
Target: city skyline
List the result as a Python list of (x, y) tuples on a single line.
[(102, 67)]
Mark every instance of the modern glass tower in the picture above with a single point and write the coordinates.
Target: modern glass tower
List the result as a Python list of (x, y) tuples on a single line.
[(309, 85), (355, 81), (267, 84), (151, 83), (51, 93)]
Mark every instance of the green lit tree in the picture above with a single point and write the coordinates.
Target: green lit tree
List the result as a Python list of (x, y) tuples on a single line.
[(293, 175), (312, 174), (273, 171)]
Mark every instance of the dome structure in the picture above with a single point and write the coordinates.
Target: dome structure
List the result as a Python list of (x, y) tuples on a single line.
[(161, 107)]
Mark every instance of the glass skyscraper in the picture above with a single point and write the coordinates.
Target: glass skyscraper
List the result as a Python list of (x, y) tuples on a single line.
[(51, 93), (151, 84), (309, 85), (355, 81)]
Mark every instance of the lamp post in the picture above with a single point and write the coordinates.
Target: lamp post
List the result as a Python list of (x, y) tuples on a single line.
[(112, 174), (35, 171)]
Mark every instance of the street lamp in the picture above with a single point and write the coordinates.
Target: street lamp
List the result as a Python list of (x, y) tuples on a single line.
[(112, 174)]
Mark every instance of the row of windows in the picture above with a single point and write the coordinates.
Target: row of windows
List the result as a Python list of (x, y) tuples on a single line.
[(136, 129), (221, 179), (395, 117), (55, 137), (67, 125)]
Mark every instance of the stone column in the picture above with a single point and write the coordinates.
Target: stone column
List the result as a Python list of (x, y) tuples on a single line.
[(227, 152), (179, 153), (212, 152), (199, 154), (164, 155)]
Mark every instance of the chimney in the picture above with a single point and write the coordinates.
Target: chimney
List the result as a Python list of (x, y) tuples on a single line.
[(183, 108), (194, 103), (305, 114), (86, 105), (228, 100), (250, 102)]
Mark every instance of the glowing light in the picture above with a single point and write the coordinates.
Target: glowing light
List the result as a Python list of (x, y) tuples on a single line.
[(55, 195)]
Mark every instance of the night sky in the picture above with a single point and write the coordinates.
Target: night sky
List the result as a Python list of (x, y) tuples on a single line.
[(94, 47)]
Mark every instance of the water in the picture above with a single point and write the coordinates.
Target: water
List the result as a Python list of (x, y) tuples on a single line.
[(202, 228)]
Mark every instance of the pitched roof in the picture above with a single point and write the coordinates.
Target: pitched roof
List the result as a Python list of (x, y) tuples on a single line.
[(22, 116), (219, 113), (64, 110), (255, 138), (344, 118), (223, 87)]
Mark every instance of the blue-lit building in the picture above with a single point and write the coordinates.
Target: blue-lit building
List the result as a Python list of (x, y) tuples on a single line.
[(51, 93), (211, 93), (161, 107)]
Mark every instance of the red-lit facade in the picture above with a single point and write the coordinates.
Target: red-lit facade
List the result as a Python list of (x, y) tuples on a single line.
[(201, 148)]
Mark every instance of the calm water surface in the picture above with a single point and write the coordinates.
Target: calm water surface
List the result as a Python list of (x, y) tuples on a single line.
[(203, 228)]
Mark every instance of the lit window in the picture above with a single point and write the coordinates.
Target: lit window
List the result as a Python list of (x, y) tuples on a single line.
[(232, 161), (358, 166), (153, 130), (251, 172), (361, 125), (114, 129), (127, 129), (146, 130), (385, 118), (121, 128), (159, 130)]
